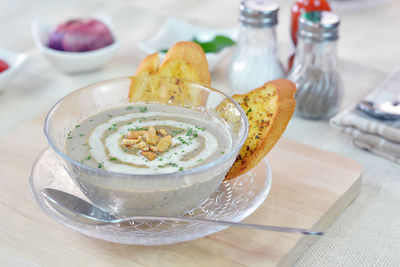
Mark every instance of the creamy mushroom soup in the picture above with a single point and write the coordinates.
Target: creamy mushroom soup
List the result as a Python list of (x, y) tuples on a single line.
[(148, 139)]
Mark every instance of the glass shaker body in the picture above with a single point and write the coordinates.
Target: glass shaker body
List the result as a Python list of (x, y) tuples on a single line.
[(298, 8), (315, 73), (255, 61)]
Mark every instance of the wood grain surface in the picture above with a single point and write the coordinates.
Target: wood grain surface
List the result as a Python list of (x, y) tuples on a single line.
[(310, 188)]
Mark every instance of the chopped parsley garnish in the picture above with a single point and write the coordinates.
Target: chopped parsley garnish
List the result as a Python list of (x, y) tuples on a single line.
[(135, 129), (113, 159), (160, 159), (88, 157), (222, 152), (180, 169), (100, 165), (143, 109), (172, 164), (183, 141), (248, 111), (129, 108), (199, 160), (69, 137), (174, 133), (85, 144), (90, 120), (81, 135), (77, 126), (189, 132), (201, 128), (129, 123), (195, 134), (113, 127), (110, 116)]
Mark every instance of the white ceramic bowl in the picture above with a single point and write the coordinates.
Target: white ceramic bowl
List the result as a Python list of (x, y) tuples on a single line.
[(14, 61), (73, 62), (175, 30)]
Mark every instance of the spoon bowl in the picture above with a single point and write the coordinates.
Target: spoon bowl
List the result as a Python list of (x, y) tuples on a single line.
[(385, 111)]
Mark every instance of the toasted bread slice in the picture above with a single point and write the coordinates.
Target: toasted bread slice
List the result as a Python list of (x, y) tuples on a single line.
[(184, 60), (268, 109), (145, 91)]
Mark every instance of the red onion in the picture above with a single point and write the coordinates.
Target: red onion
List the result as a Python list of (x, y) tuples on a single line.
[(80, 35)]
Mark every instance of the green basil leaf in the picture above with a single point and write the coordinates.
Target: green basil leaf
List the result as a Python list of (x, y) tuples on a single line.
[(214, 46)]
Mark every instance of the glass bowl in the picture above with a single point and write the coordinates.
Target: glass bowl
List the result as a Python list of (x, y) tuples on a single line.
[(146, 194)]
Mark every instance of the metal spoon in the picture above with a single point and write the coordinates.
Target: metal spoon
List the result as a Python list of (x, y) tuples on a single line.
[(389, 110), (71, 205)]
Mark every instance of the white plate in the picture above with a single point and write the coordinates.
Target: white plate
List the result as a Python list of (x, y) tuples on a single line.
[(14, 61), (235, 200), (73, 62), (175, 30)]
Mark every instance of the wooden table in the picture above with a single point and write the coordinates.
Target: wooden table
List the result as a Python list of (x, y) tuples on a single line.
[(310, 189)]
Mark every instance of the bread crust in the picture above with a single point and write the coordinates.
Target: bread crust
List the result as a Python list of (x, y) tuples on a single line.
[(269, 110), (149, 65)]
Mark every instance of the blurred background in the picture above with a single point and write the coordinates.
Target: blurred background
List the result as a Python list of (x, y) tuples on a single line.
[(368, 39)]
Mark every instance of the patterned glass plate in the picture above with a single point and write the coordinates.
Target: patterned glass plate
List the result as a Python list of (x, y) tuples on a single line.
[(234, 200)]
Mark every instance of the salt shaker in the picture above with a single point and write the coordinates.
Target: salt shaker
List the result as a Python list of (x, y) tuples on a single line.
[(319, 86), (255, 60)]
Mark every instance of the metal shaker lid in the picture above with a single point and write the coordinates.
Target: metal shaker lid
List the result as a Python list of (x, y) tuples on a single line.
[(259, 13), (319, 26)]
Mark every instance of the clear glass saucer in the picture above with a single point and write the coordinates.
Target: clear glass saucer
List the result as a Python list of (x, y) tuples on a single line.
[(235, 200)]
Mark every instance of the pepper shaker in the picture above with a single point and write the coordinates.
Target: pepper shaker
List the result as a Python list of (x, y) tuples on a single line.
[(319, 86), (255, 60)]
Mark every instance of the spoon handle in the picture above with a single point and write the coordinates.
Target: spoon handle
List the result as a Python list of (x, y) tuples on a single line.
[(63, 202), (224, 223)]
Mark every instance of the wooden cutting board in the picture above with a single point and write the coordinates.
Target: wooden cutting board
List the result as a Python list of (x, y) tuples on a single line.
[(310, 188)]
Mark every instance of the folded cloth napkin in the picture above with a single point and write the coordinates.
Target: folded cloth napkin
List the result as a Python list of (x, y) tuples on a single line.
[(381, 137)]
